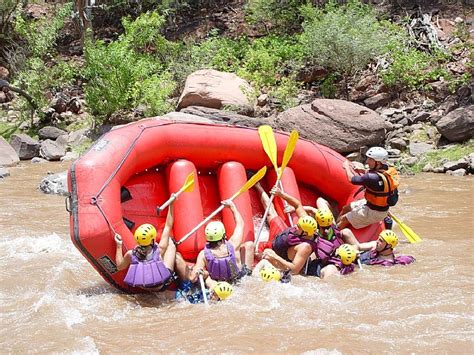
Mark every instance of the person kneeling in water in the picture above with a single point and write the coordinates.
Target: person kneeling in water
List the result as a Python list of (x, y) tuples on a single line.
[(219, 256), (381, 251), (150, 265)]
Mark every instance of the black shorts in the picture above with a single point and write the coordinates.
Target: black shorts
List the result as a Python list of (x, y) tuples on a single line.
[(314, 268)]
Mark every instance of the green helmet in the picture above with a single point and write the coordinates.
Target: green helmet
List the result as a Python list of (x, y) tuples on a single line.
[(215, 231)]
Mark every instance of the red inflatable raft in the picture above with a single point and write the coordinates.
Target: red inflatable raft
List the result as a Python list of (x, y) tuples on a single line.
[(118, 184)]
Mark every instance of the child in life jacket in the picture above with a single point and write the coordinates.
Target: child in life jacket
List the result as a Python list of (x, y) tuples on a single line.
[(150, 265), (192, 292), (219, 261), (381, 251)]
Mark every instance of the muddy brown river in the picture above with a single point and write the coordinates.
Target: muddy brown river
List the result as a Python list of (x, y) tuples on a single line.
[(53, 301)]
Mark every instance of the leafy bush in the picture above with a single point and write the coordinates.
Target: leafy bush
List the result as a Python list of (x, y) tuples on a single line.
[(280, 15), (342, 38), (129, 71)]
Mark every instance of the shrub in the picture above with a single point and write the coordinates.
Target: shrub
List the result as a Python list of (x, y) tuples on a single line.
[(131, 70), (342, 38), (279, 14)]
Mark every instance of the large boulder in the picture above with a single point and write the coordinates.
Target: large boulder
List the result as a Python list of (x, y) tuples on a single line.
[(8, 156), (50, 132), (51, 150), (458, 125), (224, 116), (25, 146), (215, 89), (55, 184), (341, 125)]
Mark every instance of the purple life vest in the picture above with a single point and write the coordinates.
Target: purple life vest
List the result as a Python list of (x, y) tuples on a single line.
[(147, 273), (325, 248), (287, 239), (223, 268), (371, 257), (343, 269)]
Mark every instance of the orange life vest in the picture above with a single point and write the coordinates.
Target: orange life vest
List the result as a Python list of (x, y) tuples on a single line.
[(391, 180)]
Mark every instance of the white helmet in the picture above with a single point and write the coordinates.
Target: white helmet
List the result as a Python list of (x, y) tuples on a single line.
[(378, 154)]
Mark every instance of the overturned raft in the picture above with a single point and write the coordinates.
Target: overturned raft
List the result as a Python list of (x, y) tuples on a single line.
[(118, 184)]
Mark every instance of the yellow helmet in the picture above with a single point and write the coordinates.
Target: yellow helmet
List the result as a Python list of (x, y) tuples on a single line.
[(347, 253), (324, 217), (223, 290), (145, 234), (269, 273), (390, 237), (308, 224), (215, 231)]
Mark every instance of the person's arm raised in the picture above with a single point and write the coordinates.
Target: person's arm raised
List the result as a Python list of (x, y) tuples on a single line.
[(165, 236), (238, 234), (299, 210)]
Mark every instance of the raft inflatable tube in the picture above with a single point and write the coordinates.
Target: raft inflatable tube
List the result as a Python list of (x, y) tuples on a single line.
[(118, 184)]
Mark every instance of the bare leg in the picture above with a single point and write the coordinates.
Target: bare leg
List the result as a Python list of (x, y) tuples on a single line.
[(247, 253), (181, 268), (265, 199), (169, 256)]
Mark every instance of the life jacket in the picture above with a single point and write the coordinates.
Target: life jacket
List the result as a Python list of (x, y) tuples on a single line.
[(147, 273), (343, 269), (223, 268), (287, 239), (389, 195), (371, 257), (325, 248)]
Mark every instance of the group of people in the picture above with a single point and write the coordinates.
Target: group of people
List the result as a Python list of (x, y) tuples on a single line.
[(318, 245)]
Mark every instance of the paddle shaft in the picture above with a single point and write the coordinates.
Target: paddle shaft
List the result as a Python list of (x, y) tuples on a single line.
[(190, 233), (264, 218), (167, 203), (285, 205), (203, 289)]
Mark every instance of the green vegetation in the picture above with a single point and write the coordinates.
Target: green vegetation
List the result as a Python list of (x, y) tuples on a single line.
[(439, 157), (343, 39), (143, 68)]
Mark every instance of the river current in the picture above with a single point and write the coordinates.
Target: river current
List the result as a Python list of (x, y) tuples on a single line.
[(52, 300)]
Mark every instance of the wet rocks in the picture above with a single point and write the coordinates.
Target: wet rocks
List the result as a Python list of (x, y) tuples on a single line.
[(4, 173), (8, 155), (25, 146), (55, 184)]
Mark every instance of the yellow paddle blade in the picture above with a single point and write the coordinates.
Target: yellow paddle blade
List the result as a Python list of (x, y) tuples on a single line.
[(188, 185), (252, 181), (269, 144), (290, 148), (407, 231)]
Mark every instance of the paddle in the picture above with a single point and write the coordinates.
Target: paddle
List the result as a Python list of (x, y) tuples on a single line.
[(252, 181), (407, 231), (203, 289), (269, 146), (188, 186)]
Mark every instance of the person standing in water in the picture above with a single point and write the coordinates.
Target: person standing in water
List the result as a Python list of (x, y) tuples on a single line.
[(151, 266), (219, 261), (380, 183)]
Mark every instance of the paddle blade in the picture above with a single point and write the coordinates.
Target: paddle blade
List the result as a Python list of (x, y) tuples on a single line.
[(407, 231), (269, 144), (252, 181), (290, 148), (189, 183)]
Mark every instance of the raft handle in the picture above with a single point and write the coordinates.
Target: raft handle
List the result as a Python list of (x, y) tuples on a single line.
[(67, 202)]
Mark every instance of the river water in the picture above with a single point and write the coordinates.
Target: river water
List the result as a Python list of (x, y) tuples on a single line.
[(51, 300)]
